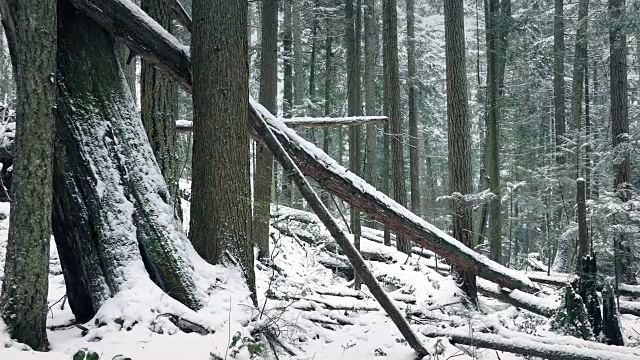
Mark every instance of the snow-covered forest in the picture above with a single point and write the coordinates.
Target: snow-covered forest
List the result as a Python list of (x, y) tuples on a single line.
[(319, 179)]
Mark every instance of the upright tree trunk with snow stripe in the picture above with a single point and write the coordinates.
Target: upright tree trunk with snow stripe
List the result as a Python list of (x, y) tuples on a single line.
[(23, 301), (113, 212)]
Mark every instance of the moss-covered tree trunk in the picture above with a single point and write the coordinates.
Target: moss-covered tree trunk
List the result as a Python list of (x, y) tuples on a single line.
[(23, 302), (159, 107), (113, 214)]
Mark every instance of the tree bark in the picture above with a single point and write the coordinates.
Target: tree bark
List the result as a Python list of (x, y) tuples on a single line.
[(221, 202), (352, 41), (268, 91), (493, 165), (390, 40), (583, 230), (620, 128), (579, 68), (288, 99), (23, 300), (328, 76), (370, 48), (112, 211), (159, 108), (459, 135), (558, 80), (414, 137)]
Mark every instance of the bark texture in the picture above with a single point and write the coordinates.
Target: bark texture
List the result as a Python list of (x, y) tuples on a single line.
[(112, 210), (414, 138), (159, 107), (268, 91), (221, 205), (392, 96), (23, 301), (459, 134), (620, 129)]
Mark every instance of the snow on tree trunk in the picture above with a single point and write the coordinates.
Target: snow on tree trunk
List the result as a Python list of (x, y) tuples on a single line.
[(113, 214)]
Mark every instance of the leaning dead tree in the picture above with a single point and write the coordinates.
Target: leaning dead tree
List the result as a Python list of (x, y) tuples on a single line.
[(125, 20), (352, 253)]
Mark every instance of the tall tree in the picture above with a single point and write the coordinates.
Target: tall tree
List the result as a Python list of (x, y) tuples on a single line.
[(558, 80), (392, 96), (620, 128), (159, 107), (579, 66), (492, 139), (563, 252), (459, 133), (578, 90), (328, 76), (221, 188), (352, 40), (268, 91), (370, 48), (23, 301), (414, 138), (287, 63)]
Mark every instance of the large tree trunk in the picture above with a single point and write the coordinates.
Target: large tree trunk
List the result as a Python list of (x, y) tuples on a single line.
[(26, 274), (311, 160), (390, 39), (268, 91), (221, 188), (620, 129), (328, 75), (159, 108), (112, 214), (459, 134)]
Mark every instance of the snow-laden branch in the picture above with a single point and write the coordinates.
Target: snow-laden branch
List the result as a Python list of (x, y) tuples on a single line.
[(186, 125)]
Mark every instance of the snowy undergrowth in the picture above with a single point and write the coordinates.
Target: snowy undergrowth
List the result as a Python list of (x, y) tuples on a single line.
[(296, 297)]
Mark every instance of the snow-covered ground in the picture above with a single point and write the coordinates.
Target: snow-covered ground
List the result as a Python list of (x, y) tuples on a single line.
[(296, 284)]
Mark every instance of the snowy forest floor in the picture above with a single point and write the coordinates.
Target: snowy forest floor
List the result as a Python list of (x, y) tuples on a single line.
[(299, 307)]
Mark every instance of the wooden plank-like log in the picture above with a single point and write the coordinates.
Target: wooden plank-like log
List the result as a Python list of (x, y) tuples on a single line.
[(187, 126), (529, 345), (181, 15), (142, 34)]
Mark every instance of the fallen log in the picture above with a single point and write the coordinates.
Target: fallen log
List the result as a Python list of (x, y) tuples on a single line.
[(553, 280), (529, 345), (142, 34), (518, 299), (268, 137)]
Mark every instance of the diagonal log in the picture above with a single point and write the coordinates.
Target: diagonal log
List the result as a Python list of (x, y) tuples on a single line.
[(142, 34), (261, 127)]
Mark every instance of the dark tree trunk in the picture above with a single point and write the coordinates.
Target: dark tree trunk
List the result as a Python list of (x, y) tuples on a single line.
[(493, 164), (287, 104), (583, 230), (328, 75), (414, 138), (159, 108), (264, 159), (610, 318), (390, 40), (25, 286), (459, 135), (620, 128), (221, 202), (558, 80), (370, 48), (112, 210), (579, 68), (352, 41)]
